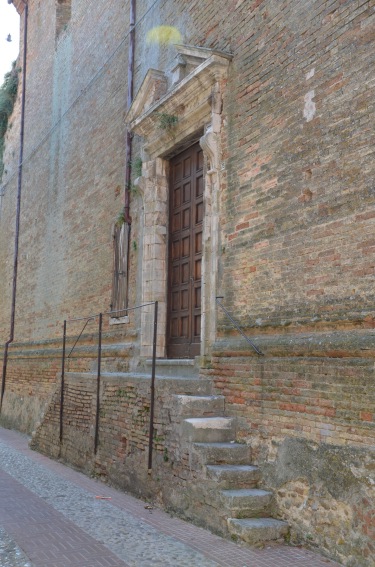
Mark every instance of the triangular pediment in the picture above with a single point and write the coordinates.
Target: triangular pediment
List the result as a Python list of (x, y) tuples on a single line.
[(154, 86), (188, 83)]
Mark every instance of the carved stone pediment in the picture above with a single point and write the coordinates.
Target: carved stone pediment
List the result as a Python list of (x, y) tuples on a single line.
[(154, 86), (189, 101), (189, 58)]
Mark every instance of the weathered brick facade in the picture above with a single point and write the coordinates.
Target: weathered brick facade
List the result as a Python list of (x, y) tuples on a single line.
[(284, 109)]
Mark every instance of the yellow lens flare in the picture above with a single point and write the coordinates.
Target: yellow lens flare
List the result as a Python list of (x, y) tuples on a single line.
[(164, 35)]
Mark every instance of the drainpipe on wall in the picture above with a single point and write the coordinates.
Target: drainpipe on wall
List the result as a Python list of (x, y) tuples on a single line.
[(128, 143), (18, 210), (128, 219)]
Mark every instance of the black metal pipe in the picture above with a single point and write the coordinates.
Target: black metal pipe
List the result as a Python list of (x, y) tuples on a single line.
[(129, 137), (18, 210), (5, 360), (62, 385), (98, 383), (128, 150), (152, 397)]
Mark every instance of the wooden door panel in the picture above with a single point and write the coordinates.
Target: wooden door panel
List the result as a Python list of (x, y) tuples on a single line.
[(186, 193), (177, 197), (187, 167), (185, 254), (185, 271), (199, 186)]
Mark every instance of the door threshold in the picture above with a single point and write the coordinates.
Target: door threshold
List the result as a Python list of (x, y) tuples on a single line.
[(173, 361)]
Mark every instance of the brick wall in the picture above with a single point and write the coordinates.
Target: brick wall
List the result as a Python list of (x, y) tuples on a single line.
[(34, 369), (29, 386), (124, 420), (72, 183), (318, 399), (298, 188), (296, 238), (296, 202)]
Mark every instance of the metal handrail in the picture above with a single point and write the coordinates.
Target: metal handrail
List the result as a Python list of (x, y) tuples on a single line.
[(126, 309), (64, 357), (153, 371), (236, 325), (79, 336)]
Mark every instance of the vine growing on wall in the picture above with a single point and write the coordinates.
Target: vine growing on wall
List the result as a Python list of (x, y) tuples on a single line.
[(8, 95)]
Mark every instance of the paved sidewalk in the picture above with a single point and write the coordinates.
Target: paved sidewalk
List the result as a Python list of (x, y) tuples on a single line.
[(49, 517)]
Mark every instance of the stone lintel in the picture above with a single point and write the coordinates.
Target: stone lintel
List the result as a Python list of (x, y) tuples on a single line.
[(161, 145), (202, 53)]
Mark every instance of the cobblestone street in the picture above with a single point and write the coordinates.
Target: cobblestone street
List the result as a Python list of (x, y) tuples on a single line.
[(50, 517)]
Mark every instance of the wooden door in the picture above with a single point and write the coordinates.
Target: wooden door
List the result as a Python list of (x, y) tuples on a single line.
[(185, 254)]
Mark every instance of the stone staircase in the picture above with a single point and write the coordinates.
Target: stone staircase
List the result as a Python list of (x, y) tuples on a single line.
[(244, 509), (215, 484)]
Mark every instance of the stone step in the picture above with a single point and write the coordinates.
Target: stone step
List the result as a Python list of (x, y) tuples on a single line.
[(223, 453), (182, 367), (209, 429), (234, 476), (247, 502), (256, 530), (199, 406)]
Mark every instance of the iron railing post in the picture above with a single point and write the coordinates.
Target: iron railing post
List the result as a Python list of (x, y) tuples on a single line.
[(5, 361), (99, 355), (98, 382), (152, 400), (62, 385)]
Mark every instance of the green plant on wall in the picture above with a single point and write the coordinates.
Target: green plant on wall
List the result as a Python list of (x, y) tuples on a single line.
[(167, 121), (121, 393), (120, 219), (8, 95), (137, 167)]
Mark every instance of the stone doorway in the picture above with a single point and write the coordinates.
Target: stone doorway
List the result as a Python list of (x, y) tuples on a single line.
[(191, 98)]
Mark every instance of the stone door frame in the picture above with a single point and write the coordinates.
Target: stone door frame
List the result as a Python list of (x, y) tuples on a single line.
[(195, 103)]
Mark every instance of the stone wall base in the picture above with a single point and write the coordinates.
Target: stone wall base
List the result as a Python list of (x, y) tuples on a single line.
[(308, 424)]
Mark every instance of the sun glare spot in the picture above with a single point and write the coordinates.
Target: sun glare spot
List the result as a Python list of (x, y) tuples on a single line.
[(164, 35)]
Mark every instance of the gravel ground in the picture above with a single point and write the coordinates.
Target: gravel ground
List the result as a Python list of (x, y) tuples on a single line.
[(122, 533), (10, 554)]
